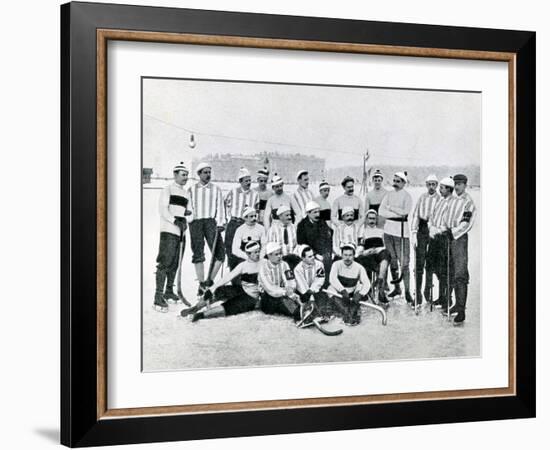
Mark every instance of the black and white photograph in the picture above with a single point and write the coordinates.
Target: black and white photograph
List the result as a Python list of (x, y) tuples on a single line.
[(293, 224)]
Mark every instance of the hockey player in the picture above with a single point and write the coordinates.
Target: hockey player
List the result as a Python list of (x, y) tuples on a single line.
[(395, 207), (249, 231), (283, 232), (372, 253), (322, 201), (462, 212), (310, 279), (279, 198), (235, 299), (175, 213), (349, 284), (346, 231), (262, 192), (208, 224), (420, 236), (278, 285), (301, 196), (375, 196), (348, 199), (236, 201)]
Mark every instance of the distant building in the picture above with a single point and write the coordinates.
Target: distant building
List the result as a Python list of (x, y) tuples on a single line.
[(226, 166), (146, 175)]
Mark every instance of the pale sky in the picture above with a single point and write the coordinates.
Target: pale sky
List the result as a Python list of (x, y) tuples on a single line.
[(402, 127)]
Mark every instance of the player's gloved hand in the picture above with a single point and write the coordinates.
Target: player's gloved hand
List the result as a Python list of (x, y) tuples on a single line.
[(207, 295), (357, 297), (345, 294), (448, 234), (289, 291), (414, 241), (181, 223), (308, 293), (187, 213)]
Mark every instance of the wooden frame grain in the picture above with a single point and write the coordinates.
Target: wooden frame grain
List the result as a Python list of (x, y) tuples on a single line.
[(93, 422)]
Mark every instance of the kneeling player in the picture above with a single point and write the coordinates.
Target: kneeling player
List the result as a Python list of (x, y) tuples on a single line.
[(372, 253), (310, 278), (349, 284), (236, 299), (278, 284)]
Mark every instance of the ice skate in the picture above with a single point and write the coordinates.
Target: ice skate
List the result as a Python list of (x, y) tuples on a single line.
[(160, 304)]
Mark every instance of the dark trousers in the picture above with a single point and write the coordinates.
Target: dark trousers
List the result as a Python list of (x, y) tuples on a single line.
[(279, 305), (437, 261), (393, 245), (235, 300), (230, 230), (349, 310), (201, 230), (460, 277), (167, 261), (322, 302), (422, 243)]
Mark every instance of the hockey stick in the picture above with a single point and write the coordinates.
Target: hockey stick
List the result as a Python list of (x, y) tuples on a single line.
[(317, 323), (178, 275), (368, 305), (448, 279), (401, 239), (213, 256), (415, 286)]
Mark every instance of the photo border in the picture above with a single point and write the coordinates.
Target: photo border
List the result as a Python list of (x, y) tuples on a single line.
[(86, 29)]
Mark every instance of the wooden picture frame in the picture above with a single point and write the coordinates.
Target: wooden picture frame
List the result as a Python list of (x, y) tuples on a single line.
[(85, 416)]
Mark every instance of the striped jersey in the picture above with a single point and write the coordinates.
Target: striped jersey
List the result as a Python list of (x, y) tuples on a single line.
[(207, 201), (237, 200), (309, 276), (274, 278), (438, 218), (299, 200), (173, 202), (374, 198), (461, 214), (277, 234), (424, 209), (344, 233)]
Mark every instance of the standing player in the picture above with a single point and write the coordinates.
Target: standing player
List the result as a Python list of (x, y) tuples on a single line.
[(395, 207), (375, 196), (461, 218), (175, 212), (236, 201), (283, 232), (278, 284), (322, 201), (236, 299), (262, 192), (420, 236), (349, 284), (438, 227), (279, 198), (301, 196), (348, 199), (208, 224)]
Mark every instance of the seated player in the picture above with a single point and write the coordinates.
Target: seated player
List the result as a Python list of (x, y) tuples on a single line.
[(278, 284), (310, 278), (235, 299), (372, 254), (346, 231), (349, 284), (249, 231), (284, 233)]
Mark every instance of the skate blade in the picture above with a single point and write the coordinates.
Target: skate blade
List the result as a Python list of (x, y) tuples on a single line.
[(171, 302), (162, 309)]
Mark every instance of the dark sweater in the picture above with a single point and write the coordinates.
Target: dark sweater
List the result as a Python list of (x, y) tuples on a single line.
[(317, 235)]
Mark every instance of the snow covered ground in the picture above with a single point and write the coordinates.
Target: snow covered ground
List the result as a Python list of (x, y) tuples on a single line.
[(255, 339)]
